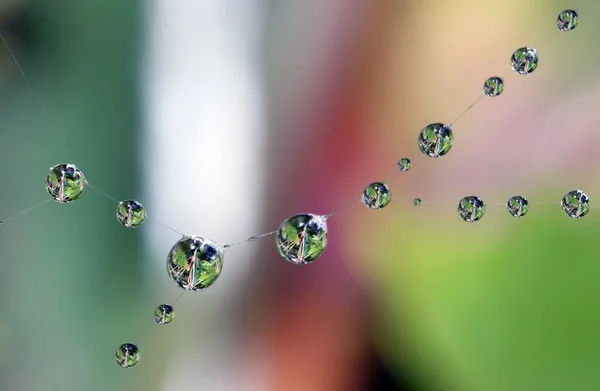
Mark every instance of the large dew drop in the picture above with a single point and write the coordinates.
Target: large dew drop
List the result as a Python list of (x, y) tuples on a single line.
[(471, 209), (127, 355), (435, 140), (65, 182), (302, 238), (195, 263), (524, 61), (377, 195), (576, 204)]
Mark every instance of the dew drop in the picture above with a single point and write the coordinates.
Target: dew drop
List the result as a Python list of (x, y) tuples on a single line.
[(524, 61), (302, 238), (404, 164), (131, 213), (65, 183), (164, 314), (576, 204), (417, 202), (127, 355), (377, 195), (493, 86), (471, 209), (567, 20), (517, 206), (195, 263), (435, 140)]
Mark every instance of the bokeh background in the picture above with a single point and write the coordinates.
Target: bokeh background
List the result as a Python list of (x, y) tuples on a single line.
[(224, 117)]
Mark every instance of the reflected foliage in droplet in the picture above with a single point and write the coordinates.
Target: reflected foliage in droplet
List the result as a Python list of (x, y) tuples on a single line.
[(127, 355), (471, 209), (377, 195), (493, 86), (164, 314), (575, 204), (404, 164), (567, 20), (435, 140), (517, 206), (302, 238), (65, 183), (524, 61), (131, 213), (195, 263)]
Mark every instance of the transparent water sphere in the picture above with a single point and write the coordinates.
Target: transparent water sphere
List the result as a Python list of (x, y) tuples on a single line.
[(302, 238), (524, 60), (164, 314), (517, 206), (576, 204), (435, 140), (377, 195), (127, 355), (404, 164), (417, 202), (471, 209), (131, 213), (195, 263), (567, 20), (65, 182), (493, 86)]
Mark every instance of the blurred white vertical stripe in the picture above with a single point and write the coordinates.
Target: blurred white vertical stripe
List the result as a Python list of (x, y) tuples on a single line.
[(204, 136)]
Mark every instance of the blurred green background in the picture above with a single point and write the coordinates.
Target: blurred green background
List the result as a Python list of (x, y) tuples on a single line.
[(502, 304)]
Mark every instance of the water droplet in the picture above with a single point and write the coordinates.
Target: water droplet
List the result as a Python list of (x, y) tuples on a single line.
[(404, 164), (65, 182), (567, 20), (517, 206), (524, 60), (471, 209), (194, 263), (302, 238), (164, 314), (435, 140), (576, 204), (131, 213), (377, 195), (493, 86), (127, 355), (417, 202)]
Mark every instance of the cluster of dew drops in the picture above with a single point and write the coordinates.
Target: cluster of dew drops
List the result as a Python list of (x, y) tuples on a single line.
[(194, 263)]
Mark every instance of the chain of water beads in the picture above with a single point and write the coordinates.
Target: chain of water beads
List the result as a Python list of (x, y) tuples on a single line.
[(194, 263)]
